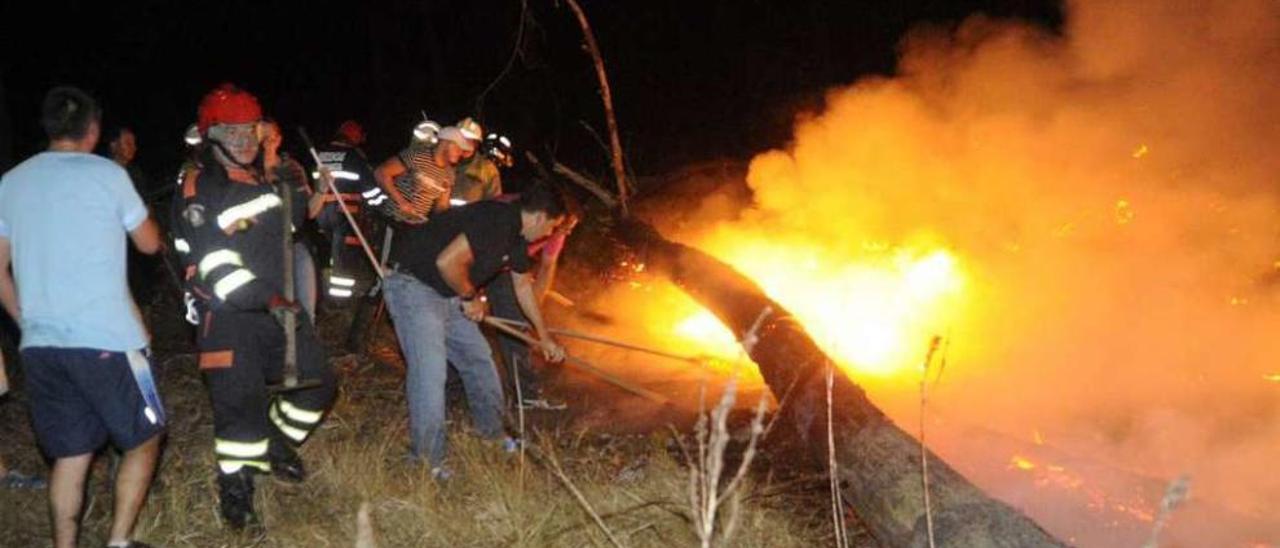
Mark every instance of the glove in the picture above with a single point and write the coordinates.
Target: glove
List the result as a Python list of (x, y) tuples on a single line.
[(278, 306)]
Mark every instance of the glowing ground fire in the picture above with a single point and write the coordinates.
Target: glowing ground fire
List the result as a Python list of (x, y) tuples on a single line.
[(873, 316)]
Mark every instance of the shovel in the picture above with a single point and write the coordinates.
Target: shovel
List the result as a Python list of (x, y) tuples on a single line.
[(289, 318)]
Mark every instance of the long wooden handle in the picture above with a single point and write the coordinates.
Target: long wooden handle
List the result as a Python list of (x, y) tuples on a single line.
[(580, 363), (368, 251), (608, 341), (290, 319)]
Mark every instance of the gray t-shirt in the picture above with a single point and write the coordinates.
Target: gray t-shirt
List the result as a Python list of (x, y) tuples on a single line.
[(67, 216)]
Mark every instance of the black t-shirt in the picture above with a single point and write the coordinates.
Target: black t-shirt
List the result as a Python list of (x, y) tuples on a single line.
[(492, 229)]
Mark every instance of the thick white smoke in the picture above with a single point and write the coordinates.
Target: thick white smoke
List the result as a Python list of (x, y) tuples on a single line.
[(1110, 193)]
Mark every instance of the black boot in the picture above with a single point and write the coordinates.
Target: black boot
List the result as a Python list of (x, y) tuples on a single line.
[(286, 465), (235, 497)]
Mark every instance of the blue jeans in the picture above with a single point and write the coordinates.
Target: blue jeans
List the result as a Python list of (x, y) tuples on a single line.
[(433, 333), (304, 276)]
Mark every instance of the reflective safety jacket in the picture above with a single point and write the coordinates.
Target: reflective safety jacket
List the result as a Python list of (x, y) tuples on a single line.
[(230, 233), (352, 178)]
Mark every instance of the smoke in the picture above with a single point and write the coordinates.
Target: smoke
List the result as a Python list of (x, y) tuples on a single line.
[(1109, 196)]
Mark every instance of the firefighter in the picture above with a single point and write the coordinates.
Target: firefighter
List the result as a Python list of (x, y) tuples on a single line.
[(233, 226), (477, 176), (350, 279), (349, 271)]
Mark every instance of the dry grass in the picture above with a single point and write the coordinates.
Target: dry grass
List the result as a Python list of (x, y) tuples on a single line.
[(635, 484)]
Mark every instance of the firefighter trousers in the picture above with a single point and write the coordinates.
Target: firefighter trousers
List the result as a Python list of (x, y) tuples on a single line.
[(241, 353), (350, 275)]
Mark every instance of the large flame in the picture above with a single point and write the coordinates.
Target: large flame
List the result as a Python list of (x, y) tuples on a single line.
[(1088, 213), (871, 315)]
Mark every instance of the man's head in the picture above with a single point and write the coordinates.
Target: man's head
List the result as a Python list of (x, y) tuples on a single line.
[(228, 116), (351, 133), (472, 131), (498, 148), (453, 146), (271, 136), (542, 210), (123, 145), (71, 119)]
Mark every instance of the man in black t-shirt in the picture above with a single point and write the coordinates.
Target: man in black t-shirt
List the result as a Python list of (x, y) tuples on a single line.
[(432, 293)]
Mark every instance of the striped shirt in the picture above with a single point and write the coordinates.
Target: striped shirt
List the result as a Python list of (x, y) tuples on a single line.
[(437, 181)]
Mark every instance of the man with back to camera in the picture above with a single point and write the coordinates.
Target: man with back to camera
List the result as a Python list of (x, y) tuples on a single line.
[(64, 215)]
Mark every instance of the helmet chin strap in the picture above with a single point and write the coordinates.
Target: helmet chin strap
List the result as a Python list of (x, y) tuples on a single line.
[(231, 157)]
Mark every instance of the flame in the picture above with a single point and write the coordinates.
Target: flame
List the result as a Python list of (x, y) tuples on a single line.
[(1274, 377), (1021, 463), (873, 316)]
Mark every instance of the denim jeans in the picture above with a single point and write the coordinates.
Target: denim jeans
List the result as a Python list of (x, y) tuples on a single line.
[(433, 333), (304, 276), (515, 352)]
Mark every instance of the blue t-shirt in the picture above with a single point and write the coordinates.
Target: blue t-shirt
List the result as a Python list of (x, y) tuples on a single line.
[(67, 216)]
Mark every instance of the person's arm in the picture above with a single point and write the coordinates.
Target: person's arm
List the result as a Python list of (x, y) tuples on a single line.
[(146, 237), (315, 203), (546, 276), (454, 263), (8, 292), (529, 305), (134, 216), (385, 174), (442, 202)]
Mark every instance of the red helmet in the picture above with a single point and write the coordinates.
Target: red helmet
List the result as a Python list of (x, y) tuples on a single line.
[(351, 132), (227, 104)]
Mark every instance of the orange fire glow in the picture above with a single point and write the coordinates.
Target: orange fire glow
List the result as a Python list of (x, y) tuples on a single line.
[(873, 317)]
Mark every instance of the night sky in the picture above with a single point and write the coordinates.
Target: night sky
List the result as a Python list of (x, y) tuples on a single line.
[(692, 80)]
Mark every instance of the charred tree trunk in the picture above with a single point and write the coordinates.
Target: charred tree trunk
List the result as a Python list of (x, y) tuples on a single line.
[(878, 463)]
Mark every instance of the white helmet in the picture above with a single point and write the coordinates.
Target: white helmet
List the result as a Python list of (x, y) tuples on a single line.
[(427, 132)]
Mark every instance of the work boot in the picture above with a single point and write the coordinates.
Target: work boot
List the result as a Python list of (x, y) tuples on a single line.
[(286, 465), (235, 498)]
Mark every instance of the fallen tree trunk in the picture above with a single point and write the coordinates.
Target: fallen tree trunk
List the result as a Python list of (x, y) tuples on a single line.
[(878, 464)]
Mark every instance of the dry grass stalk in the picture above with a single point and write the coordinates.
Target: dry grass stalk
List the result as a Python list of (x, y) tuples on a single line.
[(577, 495), (364, 528), (515, 379), (706, 497)]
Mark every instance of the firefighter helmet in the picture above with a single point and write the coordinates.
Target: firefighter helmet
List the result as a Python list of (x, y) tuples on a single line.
[(498, 149), (426, 132), (351, 132), (227, 104), (192, 135), (470, 129)]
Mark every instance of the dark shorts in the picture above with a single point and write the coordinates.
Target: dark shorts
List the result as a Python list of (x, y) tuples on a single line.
[(81, 397)]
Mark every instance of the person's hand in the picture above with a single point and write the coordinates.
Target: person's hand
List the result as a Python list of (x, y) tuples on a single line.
[(278, 306), (551, 350), (326, 180), (474, 309), (270, 159)]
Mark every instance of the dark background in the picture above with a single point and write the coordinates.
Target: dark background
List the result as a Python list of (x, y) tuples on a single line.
[(692, 80)]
